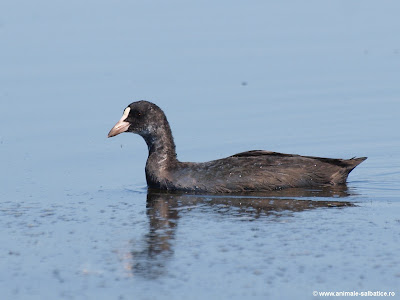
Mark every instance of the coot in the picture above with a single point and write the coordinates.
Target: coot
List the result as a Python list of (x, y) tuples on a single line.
[(255, 170)]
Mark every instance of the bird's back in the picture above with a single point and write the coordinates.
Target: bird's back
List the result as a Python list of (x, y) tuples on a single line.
[(261, 170)]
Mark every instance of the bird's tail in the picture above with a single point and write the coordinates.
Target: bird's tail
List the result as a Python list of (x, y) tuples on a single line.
[(354, 162), (340, 177)]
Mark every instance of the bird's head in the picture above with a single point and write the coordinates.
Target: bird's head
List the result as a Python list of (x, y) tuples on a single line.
[(141, 117)]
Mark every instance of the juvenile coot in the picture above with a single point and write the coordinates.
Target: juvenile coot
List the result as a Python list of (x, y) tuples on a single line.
[(255, 170)]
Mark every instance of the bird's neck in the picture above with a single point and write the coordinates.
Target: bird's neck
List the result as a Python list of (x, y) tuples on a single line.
[(162, 153)]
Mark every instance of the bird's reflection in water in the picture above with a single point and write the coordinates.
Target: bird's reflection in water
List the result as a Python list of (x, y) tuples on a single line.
[(164, 210)]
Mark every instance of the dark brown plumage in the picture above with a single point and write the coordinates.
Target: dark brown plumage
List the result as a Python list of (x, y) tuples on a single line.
[(255, 170)]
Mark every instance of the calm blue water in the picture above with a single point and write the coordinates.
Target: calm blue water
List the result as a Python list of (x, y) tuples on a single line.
[(315, 78)]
